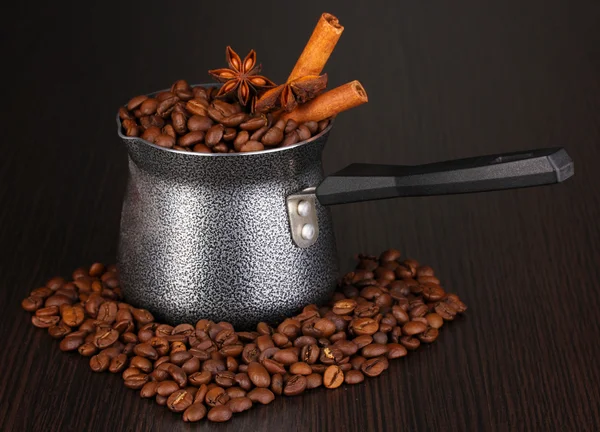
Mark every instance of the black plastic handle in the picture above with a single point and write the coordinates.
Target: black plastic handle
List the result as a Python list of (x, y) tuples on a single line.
[(364, 182)]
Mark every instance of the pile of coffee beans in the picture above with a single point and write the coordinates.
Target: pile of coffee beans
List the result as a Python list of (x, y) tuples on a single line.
[(191, 119), (384, 309)]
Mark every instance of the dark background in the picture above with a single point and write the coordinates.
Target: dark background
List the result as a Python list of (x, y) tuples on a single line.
[(445, 80)]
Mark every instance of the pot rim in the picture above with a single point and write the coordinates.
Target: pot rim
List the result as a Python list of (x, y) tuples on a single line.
[(236, 154)]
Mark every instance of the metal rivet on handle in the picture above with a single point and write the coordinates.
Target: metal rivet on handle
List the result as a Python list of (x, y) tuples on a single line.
[(304, 208), (308, 231)]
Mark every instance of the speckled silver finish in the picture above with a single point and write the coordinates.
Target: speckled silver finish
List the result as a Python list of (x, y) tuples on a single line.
[(207, 235)]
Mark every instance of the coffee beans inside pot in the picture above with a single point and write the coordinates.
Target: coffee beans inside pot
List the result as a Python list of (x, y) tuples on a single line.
[(381, 311), (191, 119)]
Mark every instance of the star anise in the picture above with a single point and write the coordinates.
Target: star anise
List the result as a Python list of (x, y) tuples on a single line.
[(241, 76), (289, 95)]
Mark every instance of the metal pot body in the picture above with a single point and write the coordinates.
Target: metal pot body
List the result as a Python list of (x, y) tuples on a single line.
[(208, 235)]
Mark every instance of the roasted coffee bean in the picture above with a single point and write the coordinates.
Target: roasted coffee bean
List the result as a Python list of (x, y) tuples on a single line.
[(44, 322), (374, 350), (167, 388), (272, 137), (258, 375), (58, 300), (239, 404), (277, 384), (100, 362), (179, 401), (429, 335), (194, 412), (344, 307), (214, 135), (149, 389), (235, 392), (169, 130), (410, 342), (412, 328), (32, 303), (199, 378), (71, 343), (258, 134), (118, 363), (286, 356), (135, 102), (251, 146), (375, 366), (395, 350), (290, 139), (300, 368), (59, 330), (364, 326), (323, 125), (290, 126), (303, 132), (234, 120), (163, 140), (295, 385), (333, 377), (105, 338), (216, 396), (261, 395), (152, 121), (312, 126), (149, 106), (221, 413), (225, 378), (354, 377), (254, 123)]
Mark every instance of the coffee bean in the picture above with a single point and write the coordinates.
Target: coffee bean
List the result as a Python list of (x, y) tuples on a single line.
[(413, 327), (214, 135), (220, 413), (323, 125), (251, 146), (118, 363), (374, 350), (261, 395), (163, 140), (375, 366), (225, 378), (354, 377), (395, 350), (290, 126), (167, 388), (364, 326), (300, 368), (136, 102), (303, 132), (59, 330), (149, 389), (290, 138), (295, 385), (32, 303), (258, 134), (44, 322), (286, 356), (258, 375), (166, 106), (410, 342), (234, 120), (272, 137), (216, 396), (71, 343), (333, 377), (429, 335), (100, 362), (344, 307), (254, 123), (239, 404), (179, 401), (58, 300)]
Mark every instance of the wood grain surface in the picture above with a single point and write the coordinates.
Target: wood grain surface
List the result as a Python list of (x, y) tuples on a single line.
[(445, 80)]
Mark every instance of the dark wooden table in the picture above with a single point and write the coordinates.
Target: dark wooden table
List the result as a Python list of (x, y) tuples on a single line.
[(445, 80)]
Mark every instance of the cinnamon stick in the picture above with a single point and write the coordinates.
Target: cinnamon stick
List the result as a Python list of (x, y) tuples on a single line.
[(330, 103), (319, 47)]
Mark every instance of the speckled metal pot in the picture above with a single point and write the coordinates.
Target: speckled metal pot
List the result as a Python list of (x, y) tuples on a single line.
[(208, 235)]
